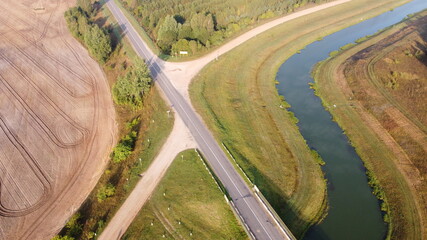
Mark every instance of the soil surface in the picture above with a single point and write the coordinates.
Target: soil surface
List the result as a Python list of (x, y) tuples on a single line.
[(389, 80), (57, 121), (181, 139)]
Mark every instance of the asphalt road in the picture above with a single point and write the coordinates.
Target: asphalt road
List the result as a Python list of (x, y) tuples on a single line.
[(253, 213)]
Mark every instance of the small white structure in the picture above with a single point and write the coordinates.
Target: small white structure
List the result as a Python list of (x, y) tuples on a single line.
[(39, 6), (183, 52)]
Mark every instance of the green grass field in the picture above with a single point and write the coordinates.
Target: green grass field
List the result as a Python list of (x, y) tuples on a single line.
[(187, 201), (404, 193), (237, 98)]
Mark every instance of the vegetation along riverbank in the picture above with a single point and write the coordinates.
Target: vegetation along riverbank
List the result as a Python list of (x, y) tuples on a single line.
[(379, 88), (237, 98)]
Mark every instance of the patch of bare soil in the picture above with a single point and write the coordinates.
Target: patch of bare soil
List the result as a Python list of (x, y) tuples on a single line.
[(57, 122), (389, 80)]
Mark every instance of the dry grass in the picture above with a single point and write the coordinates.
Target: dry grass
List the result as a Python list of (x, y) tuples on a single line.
[(387, 87), (237, 98), (186, 201), (155, 125), (153, 130)]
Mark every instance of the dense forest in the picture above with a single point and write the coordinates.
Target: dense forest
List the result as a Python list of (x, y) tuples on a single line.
[(196, 25)]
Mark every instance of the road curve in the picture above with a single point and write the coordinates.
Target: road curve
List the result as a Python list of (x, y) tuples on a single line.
[(253, 213)]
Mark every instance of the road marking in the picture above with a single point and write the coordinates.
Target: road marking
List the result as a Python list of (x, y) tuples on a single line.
[(216, 158), (168, 86), (165, 82)]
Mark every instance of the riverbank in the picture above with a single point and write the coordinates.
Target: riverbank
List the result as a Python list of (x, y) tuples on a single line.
[(376, 112), (237, 98)]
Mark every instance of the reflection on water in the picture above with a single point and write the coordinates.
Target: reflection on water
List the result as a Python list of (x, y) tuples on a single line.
[(354, 213)]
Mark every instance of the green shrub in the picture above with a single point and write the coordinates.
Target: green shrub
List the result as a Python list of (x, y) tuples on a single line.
[(77, 21), (72, 229), (130, 89), (379, 193), (105, 192), (268, 14), (98, 42), (134, 123), (347, 46), (96, 39), (85, 5), (124, 148), (120, 153), (317, 157), (333, 53), (62, 238), (362, 39)]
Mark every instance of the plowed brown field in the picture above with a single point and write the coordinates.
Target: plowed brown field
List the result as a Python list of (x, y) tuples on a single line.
[(57, 121)]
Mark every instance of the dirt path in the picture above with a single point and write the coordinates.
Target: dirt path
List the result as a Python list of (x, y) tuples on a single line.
[(57, 121), (181, 75), (179, 140)]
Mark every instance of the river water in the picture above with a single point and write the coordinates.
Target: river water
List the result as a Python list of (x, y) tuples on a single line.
[(354, 212)]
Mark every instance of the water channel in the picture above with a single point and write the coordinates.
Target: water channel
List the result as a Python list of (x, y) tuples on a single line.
[(354, 213)]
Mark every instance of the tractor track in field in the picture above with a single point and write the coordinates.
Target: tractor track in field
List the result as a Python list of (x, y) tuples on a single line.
[(60, 97), (34, 165), (66, 89), (95, 119), (34, 43), (83, 131)]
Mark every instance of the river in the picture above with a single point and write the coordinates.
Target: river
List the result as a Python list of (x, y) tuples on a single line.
[(354, 212)]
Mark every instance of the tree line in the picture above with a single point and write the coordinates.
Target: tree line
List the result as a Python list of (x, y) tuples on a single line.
[(130, 88), (96, 39), (197, 25)]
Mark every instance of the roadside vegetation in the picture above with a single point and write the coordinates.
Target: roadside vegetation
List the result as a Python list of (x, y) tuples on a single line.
[(381, 85), (196, 26), (96, 39), (237, 98), (142, 120), (131, 88), (187, 204)]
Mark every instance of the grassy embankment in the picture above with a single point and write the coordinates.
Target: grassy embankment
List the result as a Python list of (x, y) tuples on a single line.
[(186, 201), (119, 179), (237, 98), (379, 87)]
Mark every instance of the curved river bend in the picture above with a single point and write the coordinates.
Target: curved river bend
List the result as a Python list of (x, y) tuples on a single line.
[(354, 213)]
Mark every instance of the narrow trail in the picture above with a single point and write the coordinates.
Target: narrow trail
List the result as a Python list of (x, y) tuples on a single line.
[(181, 75)]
